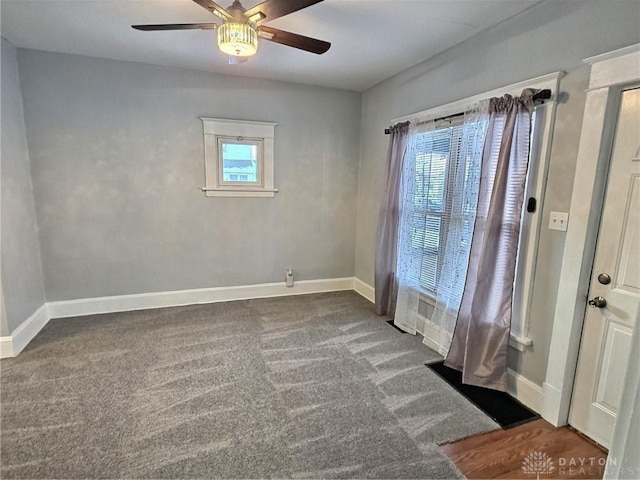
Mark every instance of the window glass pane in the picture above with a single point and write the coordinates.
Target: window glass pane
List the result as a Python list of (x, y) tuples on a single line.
[(239, 162), (431, 255), (438, 157)]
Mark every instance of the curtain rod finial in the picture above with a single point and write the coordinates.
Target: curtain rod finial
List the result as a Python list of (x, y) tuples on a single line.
[(542, 95)]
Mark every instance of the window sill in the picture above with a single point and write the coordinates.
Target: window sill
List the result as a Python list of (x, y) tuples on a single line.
[(521, 344), (239, 192)]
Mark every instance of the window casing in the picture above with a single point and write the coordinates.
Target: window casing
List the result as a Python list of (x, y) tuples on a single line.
[(239, 158)]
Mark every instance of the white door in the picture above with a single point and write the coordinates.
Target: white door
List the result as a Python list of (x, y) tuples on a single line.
[(606, 335)]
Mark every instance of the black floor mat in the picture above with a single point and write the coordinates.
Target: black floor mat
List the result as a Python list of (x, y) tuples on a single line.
[(390, 322), (500, 406)]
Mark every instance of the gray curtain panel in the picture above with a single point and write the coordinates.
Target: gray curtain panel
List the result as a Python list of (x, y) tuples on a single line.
[(481, 336), (388, 217)]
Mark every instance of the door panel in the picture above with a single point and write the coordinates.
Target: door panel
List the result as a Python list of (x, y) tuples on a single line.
[(616, 349), (628, 268), (606, 336)]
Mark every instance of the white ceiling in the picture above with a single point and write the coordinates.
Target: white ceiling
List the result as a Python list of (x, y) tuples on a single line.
[(371, 39)]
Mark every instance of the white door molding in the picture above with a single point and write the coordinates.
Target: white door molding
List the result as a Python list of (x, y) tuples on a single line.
[(609, 72)]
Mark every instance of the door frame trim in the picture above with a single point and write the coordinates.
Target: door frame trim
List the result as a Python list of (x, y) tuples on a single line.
[(609, 72)]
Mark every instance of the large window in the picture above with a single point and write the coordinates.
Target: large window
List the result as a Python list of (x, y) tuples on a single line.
[(442, 201), (437, 206)]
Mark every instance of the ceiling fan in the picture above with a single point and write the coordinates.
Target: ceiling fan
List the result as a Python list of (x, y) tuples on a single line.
[(238, 34)]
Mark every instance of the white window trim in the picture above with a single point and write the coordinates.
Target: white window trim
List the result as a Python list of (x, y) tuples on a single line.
[(215, 128), (519, 338)]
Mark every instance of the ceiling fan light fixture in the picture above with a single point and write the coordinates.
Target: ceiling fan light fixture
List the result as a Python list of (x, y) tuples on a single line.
[(238, 39)]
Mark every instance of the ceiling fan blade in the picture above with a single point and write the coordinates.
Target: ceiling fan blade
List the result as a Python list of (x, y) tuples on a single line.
[(176, 26), (294, 40), (214, 8), (272, 9)]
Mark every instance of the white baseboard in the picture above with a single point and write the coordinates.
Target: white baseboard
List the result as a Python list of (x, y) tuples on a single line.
[(6, 347), (364, 289), (12, 345), (143, 301), (525, 391), (521, 388)]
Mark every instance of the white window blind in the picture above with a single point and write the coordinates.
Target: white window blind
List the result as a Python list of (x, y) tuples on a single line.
[(439, 202)]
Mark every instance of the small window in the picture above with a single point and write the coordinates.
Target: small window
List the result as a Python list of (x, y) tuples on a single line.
[(240, 161), (238, 158)]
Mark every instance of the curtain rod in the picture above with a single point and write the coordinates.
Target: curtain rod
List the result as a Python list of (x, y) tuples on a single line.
[(539, 98)]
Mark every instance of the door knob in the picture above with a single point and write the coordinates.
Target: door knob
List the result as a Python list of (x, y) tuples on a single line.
[(604, 278), (598, 302)]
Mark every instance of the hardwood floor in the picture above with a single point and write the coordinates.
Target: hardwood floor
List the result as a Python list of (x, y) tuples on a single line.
[(528, 450)]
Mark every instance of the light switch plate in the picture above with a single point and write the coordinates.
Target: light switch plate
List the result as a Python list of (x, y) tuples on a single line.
[(558, 221)]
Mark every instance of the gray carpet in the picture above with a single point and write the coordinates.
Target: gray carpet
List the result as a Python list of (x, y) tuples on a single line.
[(312, 386)]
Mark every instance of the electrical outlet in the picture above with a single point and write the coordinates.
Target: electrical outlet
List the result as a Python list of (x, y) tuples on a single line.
[(558, 221), (288, 275)]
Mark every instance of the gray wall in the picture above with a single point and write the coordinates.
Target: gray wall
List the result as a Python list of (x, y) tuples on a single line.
[(552, 36), (21, 269), (117, 161)]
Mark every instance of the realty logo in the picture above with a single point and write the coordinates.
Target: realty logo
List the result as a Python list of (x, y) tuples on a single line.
[(537, 463)]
